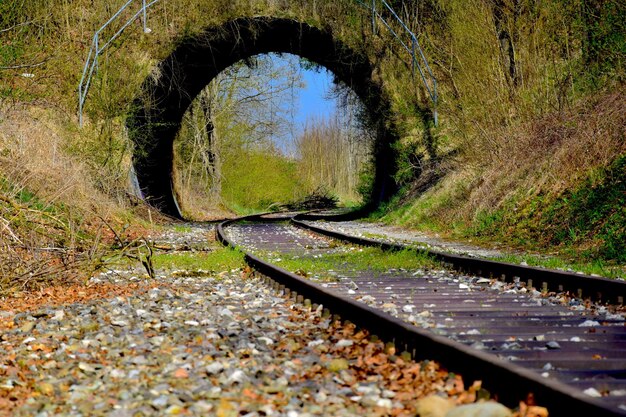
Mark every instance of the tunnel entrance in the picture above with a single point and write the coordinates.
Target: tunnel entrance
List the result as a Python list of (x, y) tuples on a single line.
[(157, 113)]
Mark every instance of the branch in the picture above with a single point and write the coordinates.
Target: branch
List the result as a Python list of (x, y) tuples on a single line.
[(25, 65), (16, 26)]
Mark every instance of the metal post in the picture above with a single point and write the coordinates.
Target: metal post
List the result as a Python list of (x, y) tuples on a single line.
[(435, 102), (413, 59), (143, 8), (80, 105), (374, 17), (97, 50)]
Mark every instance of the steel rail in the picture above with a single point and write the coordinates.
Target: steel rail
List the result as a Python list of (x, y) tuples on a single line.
[(508, 381), (583, 286)]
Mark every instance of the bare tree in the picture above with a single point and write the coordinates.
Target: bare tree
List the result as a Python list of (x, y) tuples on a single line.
[(332, 153), (246, 106)]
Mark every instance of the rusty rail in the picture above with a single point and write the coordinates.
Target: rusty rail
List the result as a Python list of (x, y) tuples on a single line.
[(561, 399)]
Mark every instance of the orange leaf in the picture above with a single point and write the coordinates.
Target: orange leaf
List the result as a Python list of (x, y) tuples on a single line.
[(181, 373)]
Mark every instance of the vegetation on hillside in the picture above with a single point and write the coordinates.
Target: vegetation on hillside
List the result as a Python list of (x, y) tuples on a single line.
[(533, 126), (530, 144), (66, 190), (55, 224), (557, 183), (333, 155), (240, 146)]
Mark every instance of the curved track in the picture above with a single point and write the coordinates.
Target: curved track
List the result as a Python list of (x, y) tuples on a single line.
[(484, 329)]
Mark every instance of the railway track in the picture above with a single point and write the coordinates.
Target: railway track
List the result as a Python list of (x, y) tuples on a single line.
[(571, 356)]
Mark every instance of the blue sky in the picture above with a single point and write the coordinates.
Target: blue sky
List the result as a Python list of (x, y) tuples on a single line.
[(312, 101), (310, 98), (309, 102)]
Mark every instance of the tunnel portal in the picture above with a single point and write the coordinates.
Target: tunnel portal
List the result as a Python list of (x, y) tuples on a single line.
[(167, 93)]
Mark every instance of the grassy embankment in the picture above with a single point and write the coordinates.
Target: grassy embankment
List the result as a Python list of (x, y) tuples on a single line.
[(532, 148)]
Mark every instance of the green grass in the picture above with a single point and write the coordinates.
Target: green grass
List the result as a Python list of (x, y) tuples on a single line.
[(582, 228), (24, 196), (589, 267), (586, 223), (242, 210), (254, 181), (594, 211), (347, 258), (219, 260), (596, 267), (182, 228), (370, 235)]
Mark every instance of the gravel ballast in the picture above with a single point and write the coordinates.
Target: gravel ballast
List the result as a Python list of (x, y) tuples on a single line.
[(228, 346), (224, 345)]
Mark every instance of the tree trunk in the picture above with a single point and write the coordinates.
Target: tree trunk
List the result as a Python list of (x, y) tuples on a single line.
[(211, 147), (505, 39)]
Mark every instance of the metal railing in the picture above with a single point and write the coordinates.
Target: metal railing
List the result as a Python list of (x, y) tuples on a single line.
[(418, 59), (98, 45)]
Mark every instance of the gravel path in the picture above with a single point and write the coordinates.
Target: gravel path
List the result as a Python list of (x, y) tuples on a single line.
[(225, 346)]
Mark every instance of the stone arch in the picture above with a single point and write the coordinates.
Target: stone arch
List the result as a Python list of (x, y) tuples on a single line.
[(158, 111)]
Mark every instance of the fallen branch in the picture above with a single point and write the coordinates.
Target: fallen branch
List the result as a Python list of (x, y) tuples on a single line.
[(20, 66)]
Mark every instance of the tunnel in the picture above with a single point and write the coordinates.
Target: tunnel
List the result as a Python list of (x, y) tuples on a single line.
[(158, 110)]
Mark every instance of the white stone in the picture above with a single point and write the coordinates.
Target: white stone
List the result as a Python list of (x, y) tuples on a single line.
[(85, 367), (384, 403), (485, 409), (344, 343), (58, 315), (388, 393), (266, 340), (315, 343), (117, 373), (589, 323), (592, 392), (238, 376)]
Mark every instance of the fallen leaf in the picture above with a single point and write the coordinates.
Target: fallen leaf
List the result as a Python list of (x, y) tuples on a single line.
[(433, 406), (225, 409)]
